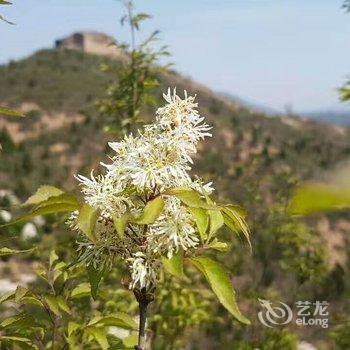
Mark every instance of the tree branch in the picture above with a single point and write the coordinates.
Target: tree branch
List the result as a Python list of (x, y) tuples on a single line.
[(142, 326), (144, 298)]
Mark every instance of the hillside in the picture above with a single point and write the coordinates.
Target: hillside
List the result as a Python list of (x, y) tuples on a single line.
[(254, 159), (57, 88)]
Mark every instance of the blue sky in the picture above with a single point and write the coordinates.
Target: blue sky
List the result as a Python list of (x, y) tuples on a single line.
[(274, 52)]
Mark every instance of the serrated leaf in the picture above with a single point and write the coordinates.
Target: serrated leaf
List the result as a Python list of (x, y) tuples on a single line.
[(53, 305), (87, 220), (7, 251), (95, 277), (120, 223), (80, 291), (201, 218), (220, 284), (174, 266), (100, 335), (6, 111), (151, 212), (42, 194)]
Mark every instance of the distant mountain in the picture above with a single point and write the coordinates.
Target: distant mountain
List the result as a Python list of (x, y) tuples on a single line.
[(337, 117), (331, 116), (253, 106)]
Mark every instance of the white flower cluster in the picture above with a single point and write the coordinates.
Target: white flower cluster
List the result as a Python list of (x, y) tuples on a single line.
[(156, 159)]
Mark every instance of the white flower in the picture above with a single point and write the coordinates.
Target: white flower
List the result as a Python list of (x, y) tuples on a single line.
[(29, 231), (5, 215), (155, 159), (143, 271), (174, 229), (104, 193)]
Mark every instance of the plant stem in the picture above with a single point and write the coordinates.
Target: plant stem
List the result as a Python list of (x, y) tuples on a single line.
[(142, 326), (143, 298)]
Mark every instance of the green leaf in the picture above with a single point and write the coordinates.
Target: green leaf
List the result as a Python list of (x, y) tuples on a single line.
[(319, 198), (63, 304), (15, 339), (220, 246), (7, 251), (237, 209), (9, 112), (80, 291), (87, 220), (46, 210), (5, 2), (64, 204), (151, 212), (174, 266), (7, 297), (234, 220), (42, 194), (201, 218), (220, 284), (187, 196), (19, 321), (131, 341), (72, 327), (95, 277), (120, 223), (59, 270), (20, 293), (100, 335), (53, 305), (63, 198), (216, 221), (119, 319), (31, 300), (53, 257)]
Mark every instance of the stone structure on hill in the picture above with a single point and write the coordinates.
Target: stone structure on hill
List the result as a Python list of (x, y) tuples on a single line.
[(90, 42)]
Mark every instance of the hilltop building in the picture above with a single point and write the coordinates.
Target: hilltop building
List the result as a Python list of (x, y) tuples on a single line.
[(90, 42)]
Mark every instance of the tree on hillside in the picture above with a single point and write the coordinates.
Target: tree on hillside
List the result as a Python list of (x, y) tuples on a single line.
[(134, 82)]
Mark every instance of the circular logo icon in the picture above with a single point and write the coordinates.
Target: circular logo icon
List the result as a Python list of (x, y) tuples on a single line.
[(272, 315)]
